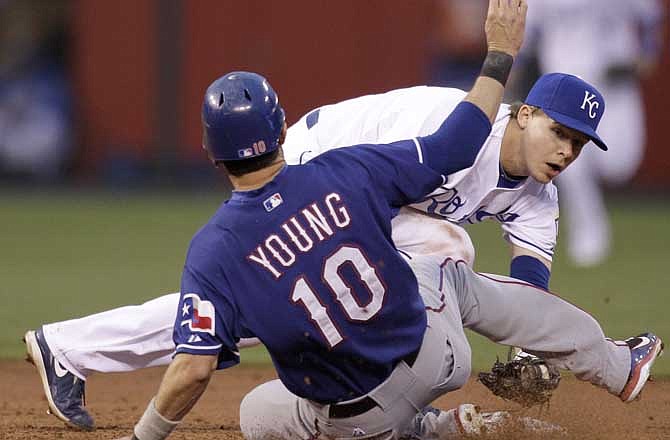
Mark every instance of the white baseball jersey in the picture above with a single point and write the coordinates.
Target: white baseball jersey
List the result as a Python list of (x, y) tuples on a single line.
[(527, 210)]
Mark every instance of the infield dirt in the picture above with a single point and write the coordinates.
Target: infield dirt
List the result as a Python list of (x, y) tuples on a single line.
[(117, 400)]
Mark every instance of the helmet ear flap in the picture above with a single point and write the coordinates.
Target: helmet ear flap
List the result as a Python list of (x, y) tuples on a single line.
[(241, 117)]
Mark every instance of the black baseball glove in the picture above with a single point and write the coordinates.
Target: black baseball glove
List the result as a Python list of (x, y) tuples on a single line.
[(527, 381)]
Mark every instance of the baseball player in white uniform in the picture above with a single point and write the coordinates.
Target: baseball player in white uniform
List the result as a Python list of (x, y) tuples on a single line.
[(611, 44), (526, 209), (509, 182)]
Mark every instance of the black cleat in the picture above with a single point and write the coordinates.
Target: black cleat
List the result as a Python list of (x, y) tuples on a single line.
[(64, 390)]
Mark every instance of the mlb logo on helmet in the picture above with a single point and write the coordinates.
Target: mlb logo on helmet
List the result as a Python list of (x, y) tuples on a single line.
[(199, 314), (570, 101), (247, 152), (256, 149), (272, 202)]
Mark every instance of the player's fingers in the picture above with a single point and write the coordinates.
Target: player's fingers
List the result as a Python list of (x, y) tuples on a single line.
[(511, 8), (489, 12), (523, 8), (508, 7), (500, 5)]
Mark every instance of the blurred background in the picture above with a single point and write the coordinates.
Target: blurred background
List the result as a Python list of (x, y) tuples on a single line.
[(103, 179)]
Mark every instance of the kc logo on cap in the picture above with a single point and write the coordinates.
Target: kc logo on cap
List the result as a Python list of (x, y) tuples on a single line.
[(590, 99)]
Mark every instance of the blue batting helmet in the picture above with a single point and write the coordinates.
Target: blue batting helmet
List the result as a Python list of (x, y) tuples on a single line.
[(241, 117)]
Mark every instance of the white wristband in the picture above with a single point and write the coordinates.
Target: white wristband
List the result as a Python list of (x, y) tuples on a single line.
[(152, 425)]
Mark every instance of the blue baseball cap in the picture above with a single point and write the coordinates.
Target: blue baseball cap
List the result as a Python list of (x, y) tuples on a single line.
[(570, 101)]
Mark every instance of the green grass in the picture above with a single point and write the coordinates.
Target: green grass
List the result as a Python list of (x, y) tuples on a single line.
[(68, 254)]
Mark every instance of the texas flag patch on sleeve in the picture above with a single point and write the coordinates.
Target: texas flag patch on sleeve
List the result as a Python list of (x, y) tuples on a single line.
[(198, 314)]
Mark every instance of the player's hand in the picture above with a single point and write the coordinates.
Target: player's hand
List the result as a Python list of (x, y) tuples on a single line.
[(505, 25)]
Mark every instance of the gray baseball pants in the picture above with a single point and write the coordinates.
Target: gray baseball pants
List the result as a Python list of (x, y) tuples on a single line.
[(503, 309)]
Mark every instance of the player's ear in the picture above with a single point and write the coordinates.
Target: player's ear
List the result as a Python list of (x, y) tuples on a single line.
[(524, 115), (282, 135)]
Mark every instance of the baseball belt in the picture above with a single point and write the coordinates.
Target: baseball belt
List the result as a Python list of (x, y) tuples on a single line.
[(346, 410)]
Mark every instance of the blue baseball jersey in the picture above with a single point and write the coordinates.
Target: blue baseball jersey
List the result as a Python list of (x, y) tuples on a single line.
[(306, 263)]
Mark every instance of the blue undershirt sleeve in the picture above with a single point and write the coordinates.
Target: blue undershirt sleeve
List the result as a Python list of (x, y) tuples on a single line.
[(455, 145), (531, 270)]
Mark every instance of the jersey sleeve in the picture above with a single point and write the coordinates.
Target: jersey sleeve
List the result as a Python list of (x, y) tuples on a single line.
[(536, 227), (206, 317), (373, 119), (301, 144), (395, 171), (456, 144)]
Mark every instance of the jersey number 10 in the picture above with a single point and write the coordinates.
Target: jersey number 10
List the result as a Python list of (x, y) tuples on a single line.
[(305, 294)]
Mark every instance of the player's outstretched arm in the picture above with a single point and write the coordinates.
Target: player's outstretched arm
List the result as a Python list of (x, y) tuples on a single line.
[(504, 27), (455, 145)]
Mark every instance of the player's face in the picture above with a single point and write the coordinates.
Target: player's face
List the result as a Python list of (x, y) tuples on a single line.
[(549, 147)]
